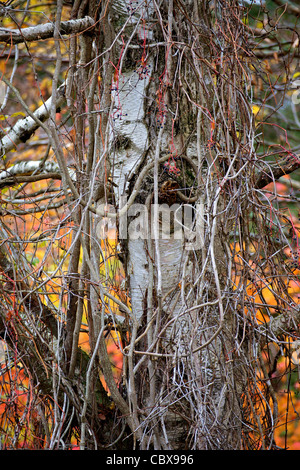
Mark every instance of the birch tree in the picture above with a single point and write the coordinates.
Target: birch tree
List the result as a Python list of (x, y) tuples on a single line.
[(157, 232)]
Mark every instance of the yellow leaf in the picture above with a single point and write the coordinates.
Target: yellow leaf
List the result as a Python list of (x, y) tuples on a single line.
[(19, 113), (255, 109)]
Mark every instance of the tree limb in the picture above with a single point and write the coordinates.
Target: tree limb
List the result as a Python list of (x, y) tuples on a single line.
[(290, 8), (279, 326), (32, 301), (45, 31), (15, 180), (274, 171), (24, 128), (30, 171), (44, 314)]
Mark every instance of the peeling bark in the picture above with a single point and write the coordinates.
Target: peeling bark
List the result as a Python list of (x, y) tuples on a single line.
[(45, 31), (26, 127)]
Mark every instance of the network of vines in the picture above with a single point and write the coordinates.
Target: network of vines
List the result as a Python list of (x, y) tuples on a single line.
[(208, 84)]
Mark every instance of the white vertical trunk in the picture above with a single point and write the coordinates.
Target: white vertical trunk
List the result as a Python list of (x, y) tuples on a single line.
[(127, 122), (181, 351)]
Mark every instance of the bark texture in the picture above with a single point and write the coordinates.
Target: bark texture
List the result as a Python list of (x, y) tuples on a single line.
[(168, 104)]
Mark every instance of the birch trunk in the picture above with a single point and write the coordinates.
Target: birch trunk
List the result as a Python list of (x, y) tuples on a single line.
[(183, 327)]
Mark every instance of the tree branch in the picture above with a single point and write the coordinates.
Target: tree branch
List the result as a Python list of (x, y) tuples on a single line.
[(45, 31), (30, 171), (15, 180), (290, 8), (274, 172), (31, 301), (24, 128), (279, 326)]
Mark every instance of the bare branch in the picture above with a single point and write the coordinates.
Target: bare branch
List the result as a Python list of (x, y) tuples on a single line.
[(30, 171), (290, 8), (280, 326), (31, 301), (24, 128), (45, 31), (273, 172)]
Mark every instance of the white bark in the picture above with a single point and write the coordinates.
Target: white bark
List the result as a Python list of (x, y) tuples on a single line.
[(34, 168), (27, 126), (127, 121), (44, 31)]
